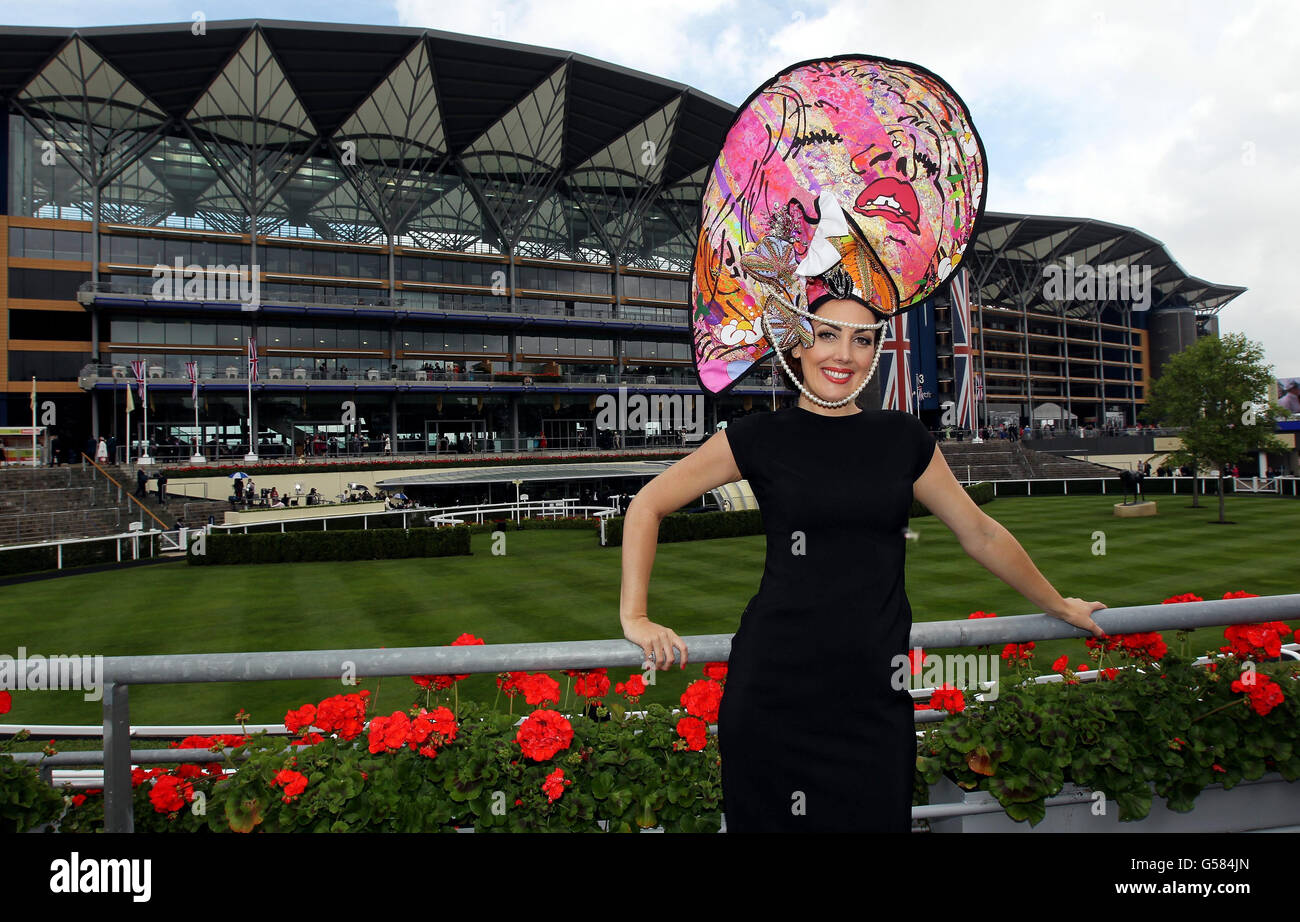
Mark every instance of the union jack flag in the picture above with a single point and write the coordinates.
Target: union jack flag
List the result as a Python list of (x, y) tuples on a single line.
[(896, 365), (191, 369), (964, 384), (137, 368), (252, 360)]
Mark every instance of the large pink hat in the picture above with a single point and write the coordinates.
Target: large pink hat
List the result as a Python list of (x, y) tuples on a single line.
[(854, 177)]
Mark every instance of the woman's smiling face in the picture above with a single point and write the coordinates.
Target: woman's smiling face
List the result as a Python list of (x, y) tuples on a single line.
[(841, 356)]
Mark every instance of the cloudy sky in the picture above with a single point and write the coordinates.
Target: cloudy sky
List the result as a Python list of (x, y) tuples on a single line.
[(1178, 118)]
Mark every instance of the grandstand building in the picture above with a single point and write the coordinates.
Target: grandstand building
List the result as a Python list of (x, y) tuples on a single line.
[(446, 240)]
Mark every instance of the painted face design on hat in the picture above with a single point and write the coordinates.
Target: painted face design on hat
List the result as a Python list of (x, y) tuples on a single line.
[(893, 145)]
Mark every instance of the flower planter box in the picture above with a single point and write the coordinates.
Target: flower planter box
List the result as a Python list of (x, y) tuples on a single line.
[(1269, 803)]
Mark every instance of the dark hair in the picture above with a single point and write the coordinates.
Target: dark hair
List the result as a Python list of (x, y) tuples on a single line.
[(795, 365)]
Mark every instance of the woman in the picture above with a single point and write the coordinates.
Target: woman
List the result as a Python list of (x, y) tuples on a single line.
[(852, 555), (101, 451), (846, 192)]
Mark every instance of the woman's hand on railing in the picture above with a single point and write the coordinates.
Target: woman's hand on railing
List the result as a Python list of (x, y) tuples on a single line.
[(655, 640), (1079, 613)]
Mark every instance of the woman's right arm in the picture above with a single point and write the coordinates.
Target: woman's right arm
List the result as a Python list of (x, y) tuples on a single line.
[(711, 465)]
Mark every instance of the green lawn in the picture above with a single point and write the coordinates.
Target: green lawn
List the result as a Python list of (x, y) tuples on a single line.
[(558, 585)]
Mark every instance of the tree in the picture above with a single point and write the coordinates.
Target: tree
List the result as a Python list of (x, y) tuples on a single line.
[(1210, 390)]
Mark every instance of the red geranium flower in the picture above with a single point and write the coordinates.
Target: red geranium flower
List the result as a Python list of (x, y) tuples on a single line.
[(591, 684), (694, 731), (1147, 645), (916, 656), (300, 719), (1251, 640), (194, 742), (508, 682), (947, 698), (434, 728), (544, 733), (1110, 673), (1240, 594), (1018, 651), (308, 739), (632, 689), (539, 688), (554, 784), (6, 702), (702, 698), (78, 799), (715, 671), (1185, 597), (140, 775), (1062, 663), (441, 682), (981, 614), (170, 793), (391, 732), (294, 783), (1107, 643), (342, 714), (1264, 693)]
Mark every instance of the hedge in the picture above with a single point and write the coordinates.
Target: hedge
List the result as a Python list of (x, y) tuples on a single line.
[(681, 526), (303, 547), (690, 526), (532, 523)]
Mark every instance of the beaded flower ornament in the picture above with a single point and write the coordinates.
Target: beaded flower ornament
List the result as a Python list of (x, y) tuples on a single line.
[(852, 177)]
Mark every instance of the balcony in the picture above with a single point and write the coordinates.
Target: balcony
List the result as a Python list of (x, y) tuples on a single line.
[(629, 316), (231, 373)]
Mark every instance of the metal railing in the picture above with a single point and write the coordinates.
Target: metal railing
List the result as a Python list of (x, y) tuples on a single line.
[(121, 672), (370, 450), (144, 288), (233, 371), (440, 515), (413, 302), (129, 540), (1153, 486), (48, 525), (121, 492)]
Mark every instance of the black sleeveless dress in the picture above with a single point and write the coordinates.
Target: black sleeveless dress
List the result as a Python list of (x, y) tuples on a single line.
[(813, 736)]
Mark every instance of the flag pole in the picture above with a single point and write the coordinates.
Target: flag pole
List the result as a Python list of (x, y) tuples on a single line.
[(34, 458), (252, 436), (144, 443), (197, 457)]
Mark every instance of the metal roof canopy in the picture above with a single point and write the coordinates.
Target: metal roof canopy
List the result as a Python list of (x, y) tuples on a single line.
[(333, 67), (1025, 244)]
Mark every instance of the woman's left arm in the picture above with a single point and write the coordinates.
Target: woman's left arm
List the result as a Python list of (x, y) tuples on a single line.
[(987, 541)]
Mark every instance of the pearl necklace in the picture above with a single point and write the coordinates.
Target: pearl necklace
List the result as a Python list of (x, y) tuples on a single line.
[(875, 359)]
